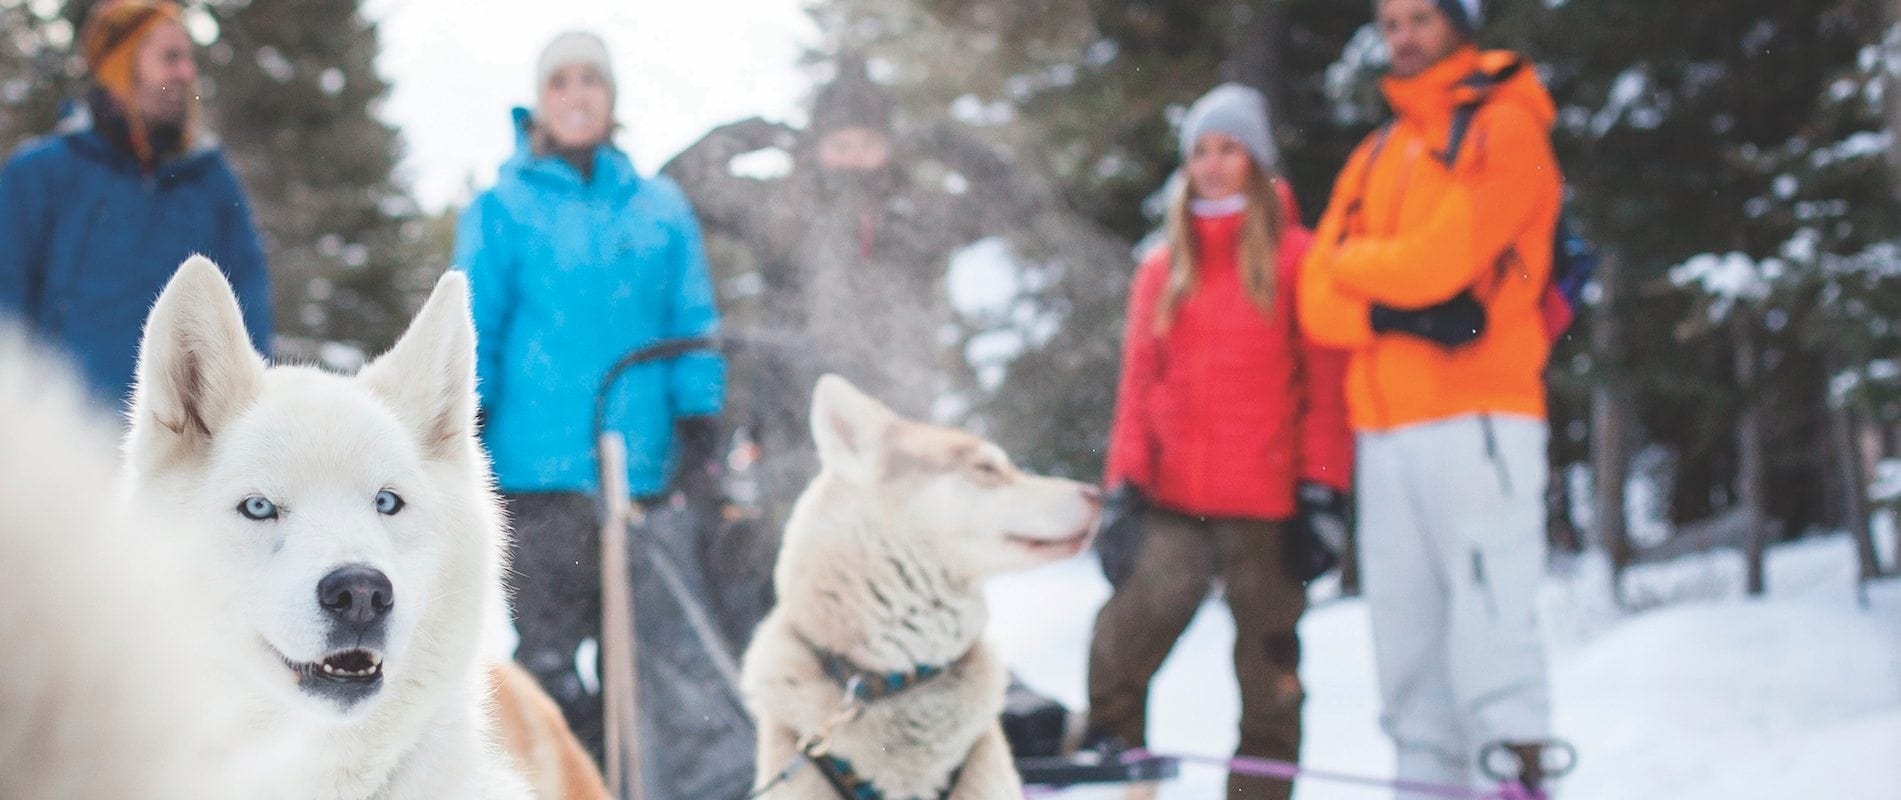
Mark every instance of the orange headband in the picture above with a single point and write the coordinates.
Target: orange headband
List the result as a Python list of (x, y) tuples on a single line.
[(110, 44)]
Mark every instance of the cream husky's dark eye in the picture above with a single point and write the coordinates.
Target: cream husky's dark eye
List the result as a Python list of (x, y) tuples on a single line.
[(388, 502), (257, 508)]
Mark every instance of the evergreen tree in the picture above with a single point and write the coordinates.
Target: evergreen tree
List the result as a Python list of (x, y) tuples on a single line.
[(37, 70), (293, 90)]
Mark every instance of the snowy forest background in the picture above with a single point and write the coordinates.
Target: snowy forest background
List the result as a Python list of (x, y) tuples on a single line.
[(1737, 378)]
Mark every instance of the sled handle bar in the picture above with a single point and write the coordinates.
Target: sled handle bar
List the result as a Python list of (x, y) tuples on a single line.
[(665, 349), (659, 351)]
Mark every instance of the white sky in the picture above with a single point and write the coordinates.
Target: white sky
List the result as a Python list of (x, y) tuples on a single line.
[(458, 66)]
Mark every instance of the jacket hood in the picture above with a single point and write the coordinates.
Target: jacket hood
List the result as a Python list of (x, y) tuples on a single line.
[(612, 168), (1470, 76)]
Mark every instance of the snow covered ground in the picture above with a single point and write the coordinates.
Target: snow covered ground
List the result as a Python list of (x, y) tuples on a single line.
[(1706, 695)]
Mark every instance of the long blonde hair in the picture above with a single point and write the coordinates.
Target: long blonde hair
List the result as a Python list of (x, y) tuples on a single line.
[(1258, 247)]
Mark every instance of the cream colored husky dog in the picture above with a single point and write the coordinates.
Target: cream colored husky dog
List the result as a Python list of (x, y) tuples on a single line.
[(350, 532), (879, 601)]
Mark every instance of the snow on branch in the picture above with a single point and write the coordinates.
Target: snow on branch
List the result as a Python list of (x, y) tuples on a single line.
[(1727, 279)]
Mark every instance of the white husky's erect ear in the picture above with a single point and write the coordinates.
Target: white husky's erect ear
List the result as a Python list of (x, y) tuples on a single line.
[(428, 378), (197, 369), (849, 428)]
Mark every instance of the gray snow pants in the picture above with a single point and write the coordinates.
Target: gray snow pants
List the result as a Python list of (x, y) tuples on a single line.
[(1452, 547)]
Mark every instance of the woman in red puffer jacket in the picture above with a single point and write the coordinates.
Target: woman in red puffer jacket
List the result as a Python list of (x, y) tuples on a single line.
[(1233, 429)]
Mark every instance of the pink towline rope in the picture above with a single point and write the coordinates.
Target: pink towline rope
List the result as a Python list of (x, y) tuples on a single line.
[(1288, 771)]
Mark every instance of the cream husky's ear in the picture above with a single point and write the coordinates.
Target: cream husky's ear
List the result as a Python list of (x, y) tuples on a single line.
[(428, 378), (849, 428), (197, 369)]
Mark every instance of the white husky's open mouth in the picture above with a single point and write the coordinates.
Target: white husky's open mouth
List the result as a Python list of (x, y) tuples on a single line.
[(346, 665), (343, 677)]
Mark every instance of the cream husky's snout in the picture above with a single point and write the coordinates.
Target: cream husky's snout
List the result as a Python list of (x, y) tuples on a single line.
[(950, 489)]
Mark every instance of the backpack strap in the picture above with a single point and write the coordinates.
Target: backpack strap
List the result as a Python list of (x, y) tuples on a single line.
[(1461, 125), (1480, 82)]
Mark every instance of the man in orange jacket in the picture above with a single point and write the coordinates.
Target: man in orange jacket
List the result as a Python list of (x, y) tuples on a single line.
[(1429, 266)]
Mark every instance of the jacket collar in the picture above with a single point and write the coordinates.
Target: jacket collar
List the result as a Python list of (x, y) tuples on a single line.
[(88, 141), (613, 170), (1468, 76), (1430, 96)]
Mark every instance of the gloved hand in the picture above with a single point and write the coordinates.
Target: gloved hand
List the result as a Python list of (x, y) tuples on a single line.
[(1450, 324), (698, 480), (1120, 536), (1316, 537)]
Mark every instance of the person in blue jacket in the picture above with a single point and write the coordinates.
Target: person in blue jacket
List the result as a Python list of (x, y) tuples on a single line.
[(94, 220), (575, 259)]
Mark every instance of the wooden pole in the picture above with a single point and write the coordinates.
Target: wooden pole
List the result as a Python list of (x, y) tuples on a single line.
[(620, 684)]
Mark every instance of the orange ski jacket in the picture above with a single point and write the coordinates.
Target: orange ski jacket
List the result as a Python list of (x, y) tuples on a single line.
[(1406, 231)]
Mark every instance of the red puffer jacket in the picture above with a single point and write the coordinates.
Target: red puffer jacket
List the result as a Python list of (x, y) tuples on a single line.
[(1225, 413)]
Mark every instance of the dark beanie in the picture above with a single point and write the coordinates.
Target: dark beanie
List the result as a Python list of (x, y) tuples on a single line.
[(851, 100), (1466, 15)]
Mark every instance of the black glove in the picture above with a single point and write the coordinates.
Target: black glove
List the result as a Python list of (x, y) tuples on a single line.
[(1317, 535), (1451, 323), (1120, 536), (699, 477)]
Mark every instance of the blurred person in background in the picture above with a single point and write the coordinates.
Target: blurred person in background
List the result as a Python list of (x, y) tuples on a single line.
[(95, 219), (575, 259)]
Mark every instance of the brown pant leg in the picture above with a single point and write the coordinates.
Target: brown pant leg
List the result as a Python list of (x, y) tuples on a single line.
[(1266, 603), (1138, 626)]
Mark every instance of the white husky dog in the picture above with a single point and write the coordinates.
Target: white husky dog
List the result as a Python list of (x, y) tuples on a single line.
[(879, 599), (351, 528)]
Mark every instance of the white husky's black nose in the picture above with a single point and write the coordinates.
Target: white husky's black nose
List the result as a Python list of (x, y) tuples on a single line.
[(357, 596)]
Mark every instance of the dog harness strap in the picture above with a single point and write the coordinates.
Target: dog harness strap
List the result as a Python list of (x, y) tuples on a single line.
[(851, 786), (872, 685), (875, 685)]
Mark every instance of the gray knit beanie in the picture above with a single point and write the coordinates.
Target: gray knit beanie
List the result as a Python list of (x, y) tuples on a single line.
[(573, 47), (1238, 111)]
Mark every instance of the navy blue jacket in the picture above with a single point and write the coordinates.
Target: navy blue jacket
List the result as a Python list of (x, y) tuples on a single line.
[(87, 241)]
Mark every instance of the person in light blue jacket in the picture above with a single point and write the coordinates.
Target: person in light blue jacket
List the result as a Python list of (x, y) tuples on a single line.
[(575, 259)]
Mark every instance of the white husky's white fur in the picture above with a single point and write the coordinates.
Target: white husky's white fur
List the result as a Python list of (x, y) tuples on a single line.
[(111, 686), (882, 563), (350, 534)]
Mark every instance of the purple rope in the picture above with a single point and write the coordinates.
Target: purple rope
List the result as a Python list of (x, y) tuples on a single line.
[(1288, 771)]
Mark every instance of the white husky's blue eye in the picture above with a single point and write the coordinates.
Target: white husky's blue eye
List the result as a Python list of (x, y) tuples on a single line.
[(257, 508), (388, 502)]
